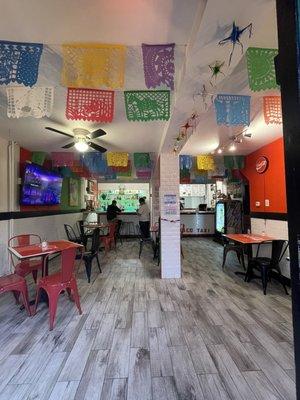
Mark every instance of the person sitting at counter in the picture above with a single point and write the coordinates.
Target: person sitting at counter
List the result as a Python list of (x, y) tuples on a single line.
[(112, 212), (144, 218)]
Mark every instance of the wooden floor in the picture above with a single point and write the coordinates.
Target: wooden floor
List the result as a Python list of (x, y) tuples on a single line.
[(206, 336)]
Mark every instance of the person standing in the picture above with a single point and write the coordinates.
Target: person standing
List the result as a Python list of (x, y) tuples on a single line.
[(144, 218), (112, 212)]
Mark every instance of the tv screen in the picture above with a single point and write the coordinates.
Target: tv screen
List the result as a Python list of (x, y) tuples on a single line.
[(40, 187)]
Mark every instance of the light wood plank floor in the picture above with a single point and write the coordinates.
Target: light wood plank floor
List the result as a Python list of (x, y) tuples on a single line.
[(207, 336)]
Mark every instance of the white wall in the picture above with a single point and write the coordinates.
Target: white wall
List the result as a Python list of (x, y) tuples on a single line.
[(276, 229), (3, 175)]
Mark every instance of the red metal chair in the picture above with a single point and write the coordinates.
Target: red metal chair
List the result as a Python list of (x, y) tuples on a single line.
[(57, 283), (26, 267), (16, 284), (109, 239)]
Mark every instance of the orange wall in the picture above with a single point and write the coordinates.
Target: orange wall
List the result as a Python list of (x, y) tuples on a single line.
[(271, 184)]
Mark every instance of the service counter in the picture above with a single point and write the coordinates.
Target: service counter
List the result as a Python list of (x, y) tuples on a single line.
[(197, 223), (130, 219)]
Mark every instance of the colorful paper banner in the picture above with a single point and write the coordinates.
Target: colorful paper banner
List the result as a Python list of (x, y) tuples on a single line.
[(232, 109), (117, 159), (206, 163), (141, 160), (34, 102), (147, 105), (62, 159), (90, 105), (185, 161), (38, 157), (92, 65), (159, 66), (19, 62), (234, 162), (272, 110), (94, 162), (261, 68)]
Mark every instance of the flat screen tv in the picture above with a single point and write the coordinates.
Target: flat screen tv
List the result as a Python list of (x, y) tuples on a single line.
[(40, 187)]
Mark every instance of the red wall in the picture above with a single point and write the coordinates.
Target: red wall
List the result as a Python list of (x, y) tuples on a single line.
[(271, 184)]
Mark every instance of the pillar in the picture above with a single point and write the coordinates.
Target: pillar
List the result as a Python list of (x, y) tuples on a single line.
[(170, 216)]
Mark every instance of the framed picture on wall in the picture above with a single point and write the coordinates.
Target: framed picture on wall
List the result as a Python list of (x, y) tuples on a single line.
[(73, 192)]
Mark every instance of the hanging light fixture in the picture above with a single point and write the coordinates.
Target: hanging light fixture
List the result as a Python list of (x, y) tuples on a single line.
[(81, 145), (232, 147), (220, 151)]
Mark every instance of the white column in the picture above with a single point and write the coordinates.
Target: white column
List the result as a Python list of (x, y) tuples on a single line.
[(170, 216)]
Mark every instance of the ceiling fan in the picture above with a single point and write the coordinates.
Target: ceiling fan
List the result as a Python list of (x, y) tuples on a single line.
[(82, 139)]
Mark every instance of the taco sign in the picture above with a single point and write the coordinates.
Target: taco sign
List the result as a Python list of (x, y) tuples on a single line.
[(261, 165)]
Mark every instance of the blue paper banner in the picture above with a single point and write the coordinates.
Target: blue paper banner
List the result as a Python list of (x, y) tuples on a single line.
[(19, 62), (94, 162), (186, 162), (232, 109)]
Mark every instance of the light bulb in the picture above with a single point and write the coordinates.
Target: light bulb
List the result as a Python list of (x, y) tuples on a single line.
[(81, 146), (232, 147), (219, 151)]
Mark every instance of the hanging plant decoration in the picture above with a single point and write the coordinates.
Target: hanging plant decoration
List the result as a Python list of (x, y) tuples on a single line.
[(216, 70), (234, 38)]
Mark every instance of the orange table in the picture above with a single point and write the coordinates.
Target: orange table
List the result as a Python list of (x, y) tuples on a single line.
[(248, 239)]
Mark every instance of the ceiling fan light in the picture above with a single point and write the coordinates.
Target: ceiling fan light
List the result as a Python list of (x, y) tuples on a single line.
[(81, 146)]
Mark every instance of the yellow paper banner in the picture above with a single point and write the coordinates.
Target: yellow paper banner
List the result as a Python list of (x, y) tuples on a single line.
[(205, 163), (93, 65), (119, 159)]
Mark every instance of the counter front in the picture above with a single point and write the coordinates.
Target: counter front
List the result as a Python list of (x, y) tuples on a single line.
[(197, 223)]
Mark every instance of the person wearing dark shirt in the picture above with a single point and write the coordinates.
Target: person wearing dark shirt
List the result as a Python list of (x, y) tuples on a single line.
[(112, 211)]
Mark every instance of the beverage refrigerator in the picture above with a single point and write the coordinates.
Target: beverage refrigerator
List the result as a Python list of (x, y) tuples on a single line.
[(229, 217)]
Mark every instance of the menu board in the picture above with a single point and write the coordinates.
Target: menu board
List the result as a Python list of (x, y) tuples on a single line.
[(127, 199)]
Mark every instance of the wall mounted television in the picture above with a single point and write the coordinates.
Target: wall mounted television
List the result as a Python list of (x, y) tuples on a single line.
[(40, 186)]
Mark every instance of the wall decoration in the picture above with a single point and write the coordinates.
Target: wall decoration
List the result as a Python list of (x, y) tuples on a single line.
[(34, 102), (206, 163), (38, 157), (62, 159), (216, 70), (90, 105), (143, 174), (117, 159), (232, 109), (142, 160), (159, 66), (147, 105), (73, 192), (206, 99), (234, 38), (272, 110), (261, 68), (93, 65), (19, 62), (261, 165), (234, 162)]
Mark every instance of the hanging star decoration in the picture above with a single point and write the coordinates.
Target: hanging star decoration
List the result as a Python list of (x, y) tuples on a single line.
[(204, 95), (216, 70), (234, 38)]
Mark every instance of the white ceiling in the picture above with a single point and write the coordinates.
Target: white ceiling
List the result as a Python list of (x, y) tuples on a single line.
[(132, 23)]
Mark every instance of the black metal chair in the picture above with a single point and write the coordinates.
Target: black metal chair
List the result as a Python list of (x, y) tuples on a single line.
[(118, 232), (142, 240), (89, 256), (232, 246), (71, 235), (265, 265), (85, 236)]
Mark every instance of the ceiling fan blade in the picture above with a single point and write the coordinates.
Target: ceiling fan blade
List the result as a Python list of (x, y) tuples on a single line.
[(97, 133), (57, 131), (96, 147), (67, 146)]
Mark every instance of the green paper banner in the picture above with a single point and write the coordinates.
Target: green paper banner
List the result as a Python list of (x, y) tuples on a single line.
[(141, 160), (147, 105), (38, 157), (261, 68), (234, 162)]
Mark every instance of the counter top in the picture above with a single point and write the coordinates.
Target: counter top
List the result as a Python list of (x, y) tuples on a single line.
[(189, 212), (121, 213)]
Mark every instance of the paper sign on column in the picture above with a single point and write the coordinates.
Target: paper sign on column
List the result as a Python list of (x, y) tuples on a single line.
[(170, 204)]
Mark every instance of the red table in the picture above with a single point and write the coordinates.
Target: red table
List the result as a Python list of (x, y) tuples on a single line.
[(37, 250)]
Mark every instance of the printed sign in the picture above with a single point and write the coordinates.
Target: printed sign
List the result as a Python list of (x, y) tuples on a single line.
[(261, 165), (170, 204)]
